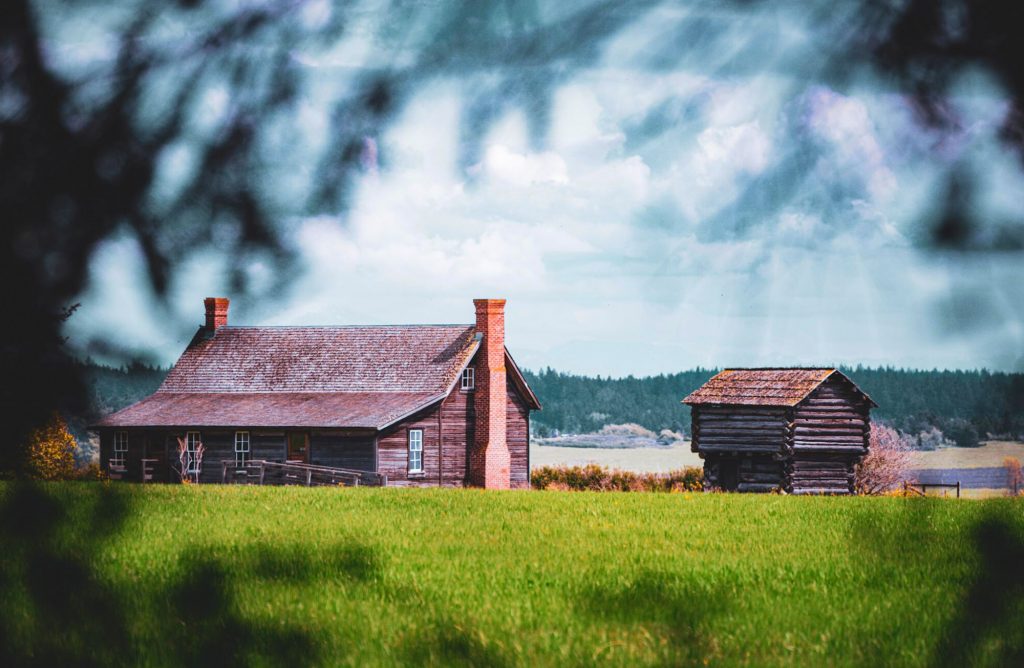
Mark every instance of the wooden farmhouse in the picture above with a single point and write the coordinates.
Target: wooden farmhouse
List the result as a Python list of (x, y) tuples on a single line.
[(416, 405), (795, 430)]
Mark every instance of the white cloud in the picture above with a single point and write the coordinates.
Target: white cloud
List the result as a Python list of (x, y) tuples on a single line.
[(738, 148), (505, 166), (844, 123)]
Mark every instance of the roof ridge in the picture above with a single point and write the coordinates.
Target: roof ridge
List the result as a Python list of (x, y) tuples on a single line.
[(450, 324), (781, 368), (160, 390)]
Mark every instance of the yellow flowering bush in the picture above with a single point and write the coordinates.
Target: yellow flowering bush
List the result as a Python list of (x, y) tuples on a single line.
[(51, 451)]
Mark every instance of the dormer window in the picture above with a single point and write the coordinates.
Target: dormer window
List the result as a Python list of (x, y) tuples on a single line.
[(468, 378)]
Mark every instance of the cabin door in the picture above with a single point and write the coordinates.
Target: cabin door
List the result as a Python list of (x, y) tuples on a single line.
[(729, 475), (298, 447)]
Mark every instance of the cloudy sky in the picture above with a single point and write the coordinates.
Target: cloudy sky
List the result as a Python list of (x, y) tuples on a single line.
[(735, 206)]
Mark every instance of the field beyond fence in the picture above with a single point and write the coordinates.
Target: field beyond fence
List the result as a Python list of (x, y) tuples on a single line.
[(179, 575)]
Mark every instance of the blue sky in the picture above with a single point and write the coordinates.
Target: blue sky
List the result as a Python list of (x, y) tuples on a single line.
[(739, 205)]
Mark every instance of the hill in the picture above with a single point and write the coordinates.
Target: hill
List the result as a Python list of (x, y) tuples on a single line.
[(963, 405)]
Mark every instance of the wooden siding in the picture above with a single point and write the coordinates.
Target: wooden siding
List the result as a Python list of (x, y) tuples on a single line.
[(220, 445), (517, 437), (458, 422), (393, 451), (811, 448), (343, 451), (267, 444), (455, 418), (387, 454)]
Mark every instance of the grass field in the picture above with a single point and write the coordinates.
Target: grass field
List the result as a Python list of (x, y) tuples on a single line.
[(389, 577)]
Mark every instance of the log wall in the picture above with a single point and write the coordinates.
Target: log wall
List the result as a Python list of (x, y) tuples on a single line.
[(811, 448), (743, 447), (831, 435)]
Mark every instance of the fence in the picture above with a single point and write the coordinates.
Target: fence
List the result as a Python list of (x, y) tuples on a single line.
[(261, 472), (921, 488)]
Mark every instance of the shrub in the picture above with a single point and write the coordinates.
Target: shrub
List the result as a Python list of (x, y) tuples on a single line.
[(51, 451), (1014, 475), (669, 437), (930, 439), (595, 478), (963, 433), (885, 465), (628, 429)]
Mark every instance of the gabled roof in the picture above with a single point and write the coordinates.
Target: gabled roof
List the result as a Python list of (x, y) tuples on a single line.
[(765, 387), (351, 377), (395, 358)]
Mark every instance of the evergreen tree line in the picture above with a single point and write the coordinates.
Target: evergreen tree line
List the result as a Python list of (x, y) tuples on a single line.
[(111, 389), (964, 406)]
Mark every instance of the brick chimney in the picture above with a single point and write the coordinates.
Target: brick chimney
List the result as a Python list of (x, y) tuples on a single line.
[(216, 312), (489, 460)]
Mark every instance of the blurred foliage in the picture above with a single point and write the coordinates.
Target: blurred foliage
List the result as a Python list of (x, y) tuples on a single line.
[(176, 134)]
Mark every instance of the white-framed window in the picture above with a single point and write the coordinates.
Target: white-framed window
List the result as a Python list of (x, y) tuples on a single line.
[(241, 448), (415, 451), (120, 448), (192, 440), (468, 378)]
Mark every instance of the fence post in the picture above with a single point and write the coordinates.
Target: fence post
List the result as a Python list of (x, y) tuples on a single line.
[(958, 489), (223, 471), (262, 471)]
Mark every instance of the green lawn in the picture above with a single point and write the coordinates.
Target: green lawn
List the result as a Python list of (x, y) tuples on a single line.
[(388, 576)]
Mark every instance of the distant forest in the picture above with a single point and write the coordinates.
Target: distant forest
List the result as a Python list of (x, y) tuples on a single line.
[(935, 406), (963, 405)]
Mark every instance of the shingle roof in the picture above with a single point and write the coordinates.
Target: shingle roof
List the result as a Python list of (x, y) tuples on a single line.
[(763, 387), (355, 377), (396, 358), (368, 410)]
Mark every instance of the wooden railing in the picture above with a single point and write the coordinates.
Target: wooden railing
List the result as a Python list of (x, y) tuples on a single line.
[(146, 471), (262, 472)]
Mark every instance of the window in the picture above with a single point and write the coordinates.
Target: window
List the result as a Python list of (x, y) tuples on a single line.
[(241, 448), (415, 451), (192, 441), (468, 378), (120, 448)]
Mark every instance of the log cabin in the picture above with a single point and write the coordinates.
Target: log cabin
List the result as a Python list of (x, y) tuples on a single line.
[(800, 431), (408, 405)]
